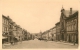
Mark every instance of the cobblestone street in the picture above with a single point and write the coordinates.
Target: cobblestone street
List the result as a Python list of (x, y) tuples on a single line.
[(36, 44)]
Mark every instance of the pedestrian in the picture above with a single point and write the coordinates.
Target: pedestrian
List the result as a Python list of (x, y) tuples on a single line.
[(12, 40), (15, 40), (52, 39), (20, 39)]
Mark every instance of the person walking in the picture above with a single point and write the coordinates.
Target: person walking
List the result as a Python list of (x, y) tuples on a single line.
[(20, 39), (12, 41), (15, 40)]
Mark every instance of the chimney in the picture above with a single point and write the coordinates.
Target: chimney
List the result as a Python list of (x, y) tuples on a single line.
[(70, 11), (8, 16)]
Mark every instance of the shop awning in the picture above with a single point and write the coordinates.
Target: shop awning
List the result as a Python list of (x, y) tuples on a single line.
[(4, 37)]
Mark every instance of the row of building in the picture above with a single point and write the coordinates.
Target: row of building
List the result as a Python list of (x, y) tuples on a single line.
[(11, 30), (66, 29)]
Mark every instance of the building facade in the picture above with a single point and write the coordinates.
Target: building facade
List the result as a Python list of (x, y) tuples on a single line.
[(54, 33), (58, 35), (72, 28), (45, 35), (5, 26), (11, 30), (69, 25), (49, 34)]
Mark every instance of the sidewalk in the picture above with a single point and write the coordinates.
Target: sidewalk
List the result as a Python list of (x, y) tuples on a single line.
[(5, 45), (9, 44), (65, 43)]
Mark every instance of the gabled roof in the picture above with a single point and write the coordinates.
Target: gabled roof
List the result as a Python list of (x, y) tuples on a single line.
[(57, 23), (5, 16), (67, 12), (73, 15)]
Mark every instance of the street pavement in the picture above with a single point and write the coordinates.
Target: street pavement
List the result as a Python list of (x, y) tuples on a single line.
[(37, 44)]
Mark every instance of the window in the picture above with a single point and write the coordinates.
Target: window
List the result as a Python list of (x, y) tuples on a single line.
[(75, 24), (2, 28), (67, 26), (3, 20), (7, 28), (72, 25), (7, 22)]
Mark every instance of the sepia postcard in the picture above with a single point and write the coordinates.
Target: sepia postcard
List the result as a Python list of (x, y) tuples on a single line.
[(40, 24)]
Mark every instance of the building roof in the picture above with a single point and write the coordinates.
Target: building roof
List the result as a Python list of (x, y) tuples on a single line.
[(53, 27), (57, 23), (67, 12), (73, 15), (5, 16)]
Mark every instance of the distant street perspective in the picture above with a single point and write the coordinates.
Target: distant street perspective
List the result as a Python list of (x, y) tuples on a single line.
[(40, 44), (40, 24)]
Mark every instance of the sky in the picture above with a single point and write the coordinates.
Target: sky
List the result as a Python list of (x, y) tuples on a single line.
[(36, 15)]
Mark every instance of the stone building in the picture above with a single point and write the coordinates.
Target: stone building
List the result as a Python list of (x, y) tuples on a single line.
[(32, 37), (72, 28), (5, 26), (19, 32), (28, 36), (58, 35), (11, 30), (25, 34), (49, 34), (15, 29), (11, 35), (45, 35), (68, 22), (53, 33)]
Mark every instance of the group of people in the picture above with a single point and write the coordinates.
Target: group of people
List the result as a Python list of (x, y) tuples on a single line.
[(12, 40), (15, 40)]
